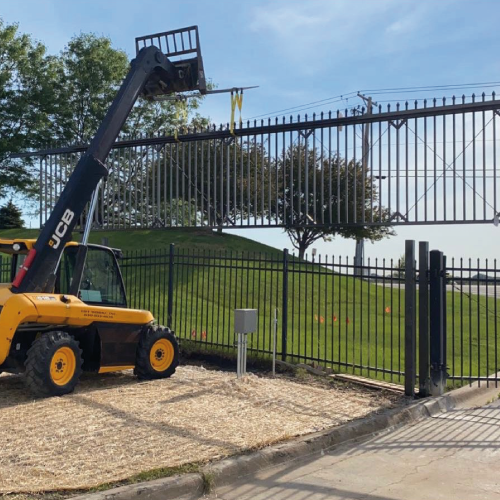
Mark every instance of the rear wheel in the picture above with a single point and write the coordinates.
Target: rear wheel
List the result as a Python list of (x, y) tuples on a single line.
[(157, 354), (53, 365)]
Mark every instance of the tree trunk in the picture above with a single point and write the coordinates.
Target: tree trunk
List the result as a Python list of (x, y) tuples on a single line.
[(302, 249)]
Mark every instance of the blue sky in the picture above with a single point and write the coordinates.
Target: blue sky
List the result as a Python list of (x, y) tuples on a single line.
[(303, 51)]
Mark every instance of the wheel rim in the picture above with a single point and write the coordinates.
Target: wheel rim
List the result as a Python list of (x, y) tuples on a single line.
[(63, 366), (161, 355)]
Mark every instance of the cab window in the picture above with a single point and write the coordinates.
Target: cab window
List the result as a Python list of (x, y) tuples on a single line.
[(101, 279), (7, 268), (66, 269)]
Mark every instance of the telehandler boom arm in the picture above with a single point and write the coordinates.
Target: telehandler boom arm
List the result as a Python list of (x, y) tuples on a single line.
[(152, 74)]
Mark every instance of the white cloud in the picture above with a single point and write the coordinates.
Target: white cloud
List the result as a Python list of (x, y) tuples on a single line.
[(318, 32), (286, 20)]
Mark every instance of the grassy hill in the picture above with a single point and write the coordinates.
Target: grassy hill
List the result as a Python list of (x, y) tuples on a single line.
[(161, 238)]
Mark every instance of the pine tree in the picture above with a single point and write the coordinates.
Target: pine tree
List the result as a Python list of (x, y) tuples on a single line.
[(10, 217)]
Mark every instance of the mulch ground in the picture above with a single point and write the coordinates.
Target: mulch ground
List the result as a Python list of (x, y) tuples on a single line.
[(113, 427)]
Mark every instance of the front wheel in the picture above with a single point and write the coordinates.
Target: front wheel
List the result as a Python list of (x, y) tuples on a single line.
[(53, 365), (157, 354)]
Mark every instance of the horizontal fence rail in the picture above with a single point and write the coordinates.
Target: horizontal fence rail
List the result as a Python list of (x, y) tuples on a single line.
[(416, 163)]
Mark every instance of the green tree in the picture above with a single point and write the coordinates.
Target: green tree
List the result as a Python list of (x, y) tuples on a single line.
[(28, 99), (92, 71), (323, 197), (10, 216)]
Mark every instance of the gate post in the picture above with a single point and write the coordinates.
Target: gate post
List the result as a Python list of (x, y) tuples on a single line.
[(437, 323), (423, 319), (284, 316), (410, 318), (170, 303)]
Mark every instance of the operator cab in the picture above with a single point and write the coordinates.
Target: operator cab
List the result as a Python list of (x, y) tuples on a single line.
[(101, 283)]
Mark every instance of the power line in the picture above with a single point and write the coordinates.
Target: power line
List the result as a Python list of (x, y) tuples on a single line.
[(383, 91), (337, 98)]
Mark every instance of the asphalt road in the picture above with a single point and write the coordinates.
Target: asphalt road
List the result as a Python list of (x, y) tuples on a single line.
[(489, 290)]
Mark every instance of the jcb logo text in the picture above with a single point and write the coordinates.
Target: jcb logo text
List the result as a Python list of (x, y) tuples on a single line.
[(61, 228)]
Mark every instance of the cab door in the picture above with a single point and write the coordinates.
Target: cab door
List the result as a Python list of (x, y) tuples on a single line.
[(101, 282)]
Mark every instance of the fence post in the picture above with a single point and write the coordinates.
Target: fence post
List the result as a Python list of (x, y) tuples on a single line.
[(284, 314), (170, 303), (423, 319), (410, 318), (437, 323), (445, 328)]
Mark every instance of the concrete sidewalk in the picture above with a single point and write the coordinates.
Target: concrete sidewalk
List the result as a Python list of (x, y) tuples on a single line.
[(453, 455)]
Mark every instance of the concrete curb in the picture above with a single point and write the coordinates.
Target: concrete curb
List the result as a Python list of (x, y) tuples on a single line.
[(469, 394), (191, 486)]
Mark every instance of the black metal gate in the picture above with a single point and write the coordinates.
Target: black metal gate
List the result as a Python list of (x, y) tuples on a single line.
[(430, 162), (458, 322)]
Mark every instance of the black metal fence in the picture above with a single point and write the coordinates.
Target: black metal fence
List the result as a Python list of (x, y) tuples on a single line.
[(426, 327), (328, 312), (383, 320), (5, 269), (420, 162), (472, 328)]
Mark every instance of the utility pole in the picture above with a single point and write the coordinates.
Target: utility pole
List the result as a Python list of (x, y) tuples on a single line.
[(359, 256)]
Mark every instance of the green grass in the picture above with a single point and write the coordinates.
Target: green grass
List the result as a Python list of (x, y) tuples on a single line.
[(340, 320)]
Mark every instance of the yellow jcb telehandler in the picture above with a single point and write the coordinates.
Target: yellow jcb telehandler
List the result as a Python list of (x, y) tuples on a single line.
[(64, 309)]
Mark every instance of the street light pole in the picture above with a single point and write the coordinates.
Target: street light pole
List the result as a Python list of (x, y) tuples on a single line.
[(359, 256)]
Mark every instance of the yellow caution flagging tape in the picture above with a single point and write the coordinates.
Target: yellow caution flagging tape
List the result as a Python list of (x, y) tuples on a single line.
[(236, 100)]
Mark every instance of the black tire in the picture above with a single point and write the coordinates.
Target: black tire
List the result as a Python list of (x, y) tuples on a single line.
[(46, 375), (151, 336)]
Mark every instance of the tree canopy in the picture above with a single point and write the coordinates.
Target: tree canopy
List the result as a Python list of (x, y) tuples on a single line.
[(28, 95), (61, 99), (322, 198), (10, 216)]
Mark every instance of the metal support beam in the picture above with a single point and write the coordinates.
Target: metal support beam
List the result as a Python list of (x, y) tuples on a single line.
[(340, 121), (170, 304), (423, 319), (284, 309), (410, 318), (437, 323)]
